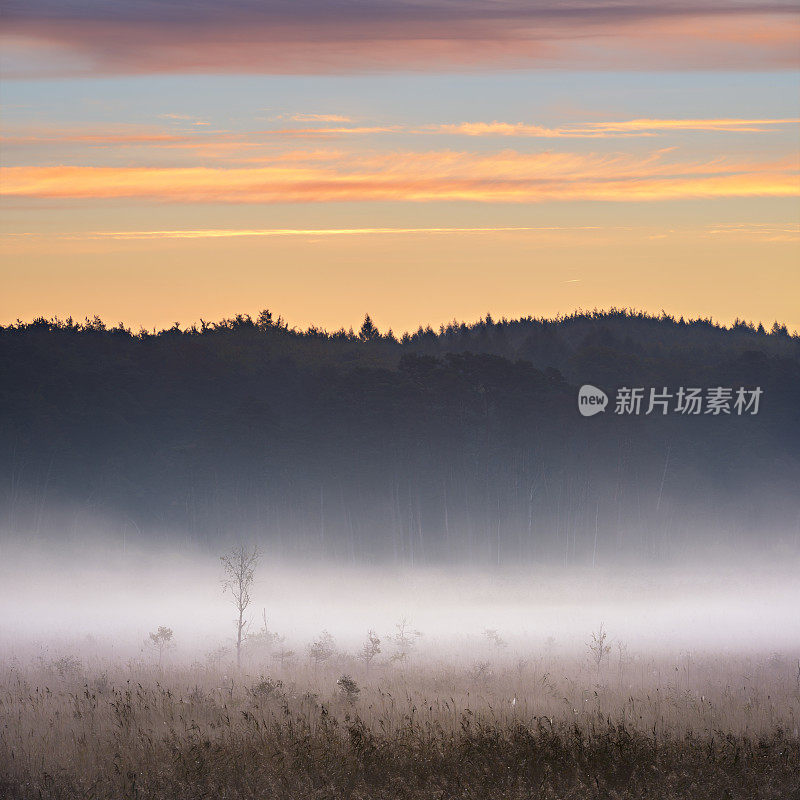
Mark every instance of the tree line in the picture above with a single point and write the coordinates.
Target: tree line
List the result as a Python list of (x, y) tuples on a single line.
[(459, 444)]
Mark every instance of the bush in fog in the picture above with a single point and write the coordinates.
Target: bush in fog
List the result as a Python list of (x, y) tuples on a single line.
[(284, 656), (263, 640), (101, 684), (371, 648), (216, 656), (494, 637), (349, 688), (322, 649), (480, 672), (161, 641), (404, 640), (67, 667), (267, 687), (623, 656)]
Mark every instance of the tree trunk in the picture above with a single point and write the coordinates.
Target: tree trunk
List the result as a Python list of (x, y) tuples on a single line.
[(239, 641)]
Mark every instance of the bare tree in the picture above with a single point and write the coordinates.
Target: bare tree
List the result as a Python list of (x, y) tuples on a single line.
[(598, 649), (239, 565)]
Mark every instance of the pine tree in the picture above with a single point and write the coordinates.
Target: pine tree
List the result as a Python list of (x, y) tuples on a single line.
[(368, 330)]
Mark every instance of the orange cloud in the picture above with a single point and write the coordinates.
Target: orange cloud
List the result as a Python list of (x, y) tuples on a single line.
[(632, 127), (224, 143), (227, 233), (759, 232), (331, 131), (508, 176), (189, 140), (317, 118), (731, 125), (96, 138)]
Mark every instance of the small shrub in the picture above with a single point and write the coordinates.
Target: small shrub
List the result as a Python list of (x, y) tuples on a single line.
[(323, 649), (371, 648), (67, 667), (349, 688), (266, 687)]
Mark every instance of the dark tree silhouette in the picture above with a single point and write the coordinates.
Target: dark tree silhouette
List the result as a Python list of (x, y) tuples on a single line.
[(368, 330), (463, 444)]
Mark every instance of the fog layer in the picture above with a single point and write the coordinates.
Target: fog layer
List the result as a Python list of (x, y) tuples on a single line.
[(73, 601)]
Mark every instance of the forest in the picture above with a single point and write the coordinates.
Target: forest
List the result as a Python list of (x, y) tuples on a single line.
[(458, 445)]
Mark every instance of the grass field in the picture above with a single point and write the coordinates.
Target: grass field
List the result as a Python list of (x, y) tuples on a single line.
[(512, 726)]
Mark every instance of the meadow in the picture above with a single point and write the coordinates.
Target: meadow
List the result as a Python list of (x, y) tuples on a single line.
[(604, 723)]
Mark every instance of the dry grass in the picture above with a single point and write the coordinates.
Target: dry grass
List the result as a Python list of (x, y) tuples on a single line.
[(546, 728)]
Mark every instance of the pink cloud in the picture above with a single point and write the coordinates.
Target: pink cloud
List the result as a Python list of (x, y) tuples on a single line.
[(508, 176), (311, 36)]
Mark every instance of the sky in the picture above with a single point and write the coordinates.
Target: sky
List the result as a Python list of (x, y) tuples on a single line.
[(420, 160)]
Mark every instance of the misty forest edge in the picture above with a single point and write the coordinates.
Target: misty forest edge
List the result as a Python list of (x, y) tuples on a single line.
[(457, 445)]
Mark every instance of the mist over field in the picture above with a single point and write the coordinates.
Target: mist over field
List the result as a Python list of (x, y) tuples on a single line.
[(109, 604)]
